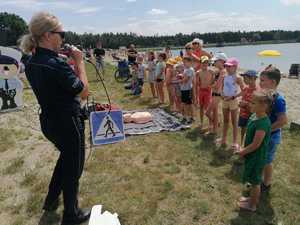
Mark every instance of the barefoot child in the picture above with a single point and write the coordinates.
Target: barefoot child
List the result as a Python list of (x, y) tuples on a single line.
[(213, 109), (151, 72), (250, 80), (186, 86), (230, 103), (179, 68), (204, 82), (255, 150), (269, 80), (170, 74), (141, 72), (160, 77)]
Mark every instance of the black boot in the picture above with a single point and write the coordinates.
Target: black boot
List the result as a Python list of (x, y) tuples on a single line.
[(80, 217), (51, 206)]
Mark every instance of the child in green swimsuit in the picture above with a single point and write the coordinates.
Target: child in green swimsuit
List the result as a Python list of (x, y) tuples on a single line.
[(256, 145)]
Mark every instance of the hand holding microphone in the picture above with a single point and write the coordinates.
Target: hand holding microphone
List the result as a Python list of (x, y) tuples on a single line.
[(75, 53), (77, 56)]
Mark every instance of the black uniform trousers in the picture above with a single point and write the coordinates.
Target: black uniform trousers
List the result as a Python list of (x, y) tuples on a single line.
[(66, 132)]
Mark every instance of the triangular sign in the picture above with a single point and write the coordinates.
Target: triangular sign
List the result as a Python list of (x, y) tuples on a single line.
[(108, 129)]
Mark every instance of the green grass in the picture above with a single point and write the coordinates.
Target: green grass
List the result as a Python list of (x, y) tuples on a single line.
[(14, 166), (9, 137), (29, 179), (182, 178), (34, 204), (170, 178)]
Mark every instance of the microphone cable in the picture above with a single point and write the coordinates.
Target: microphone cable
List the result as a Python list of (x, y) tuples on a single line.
[(99, 77), (92, 108)]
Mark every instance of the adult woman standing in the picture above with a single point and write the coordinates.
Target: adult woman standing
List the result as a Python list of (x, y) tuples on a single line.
[(58, 90)]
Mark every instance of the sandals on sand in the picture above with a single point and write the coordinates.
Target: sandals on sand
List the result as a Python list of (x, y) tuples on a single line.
[(245, 205), (244, 199), (221, 142), (235, 147), (210, 133)]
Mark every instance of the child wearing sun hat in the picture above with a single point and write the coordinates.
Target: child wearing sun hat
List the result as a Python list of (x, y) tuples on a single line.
[(170, 74)]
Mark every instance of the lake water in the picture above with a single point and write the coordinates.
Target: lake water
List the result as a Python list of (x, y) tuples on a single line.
[(247, 55)]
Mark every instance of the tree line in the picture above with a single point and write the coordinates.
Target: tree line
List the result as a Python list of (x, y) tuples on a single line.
[(13, 26)]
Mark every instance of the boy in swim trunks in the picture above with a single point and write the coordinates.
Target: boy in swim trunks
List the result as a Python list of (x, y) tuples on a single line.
[(204, 82)]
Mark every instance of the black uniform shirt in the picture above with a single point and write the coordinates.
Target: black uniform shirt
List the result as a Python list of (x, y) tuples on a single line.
[(54, 83)]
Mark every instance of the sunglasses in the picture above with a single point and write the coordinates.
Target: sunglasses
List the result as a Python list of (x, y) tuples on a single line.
[(195, 43), (188, 48), (62, 34)]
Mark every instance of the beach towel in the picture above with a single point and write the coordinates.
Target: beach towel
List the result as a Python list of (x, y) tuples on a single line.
[(162, 121)]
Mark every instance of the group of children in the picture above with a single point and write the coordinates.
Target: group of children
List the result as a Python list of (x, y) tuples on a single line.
[(256, 107)]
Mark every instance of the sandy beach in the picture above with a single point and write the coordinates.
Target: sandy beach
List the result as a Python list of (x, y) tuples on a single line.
[(290, 88)]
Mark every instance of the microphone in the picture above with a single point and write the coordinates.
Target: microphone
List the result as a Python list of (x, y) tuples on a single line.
[(67, 48)]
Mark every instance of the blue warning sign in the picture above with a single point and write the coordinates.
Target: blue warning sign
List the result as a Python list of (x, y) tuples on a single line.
[(107, 127)]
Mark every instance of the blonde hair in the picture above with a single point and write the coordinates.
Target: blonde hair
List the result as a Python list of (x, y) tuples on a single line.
[(265, 97), (40, 23)]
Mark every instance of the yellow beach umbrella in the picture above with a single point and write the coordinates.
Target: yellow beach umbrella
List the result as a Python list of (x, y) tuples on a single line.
[(269, 53)]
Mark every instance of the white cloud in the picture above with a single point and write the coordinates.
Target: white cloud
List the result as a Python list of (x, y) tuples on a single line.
[(22, 4), (16, 2), (131, 18), (157, 12), (36, 5), (87, 10), (89, 29), (205, 22), (290, 2), (119, 9), (131, 0)]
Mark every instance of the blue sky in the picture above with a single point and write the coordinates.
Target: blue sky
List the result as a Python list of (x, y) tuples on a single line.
[(148, 17)]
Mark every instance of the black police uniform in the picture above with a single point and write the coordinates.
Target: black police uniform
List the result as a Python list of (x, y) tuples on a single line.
[(56, 87)]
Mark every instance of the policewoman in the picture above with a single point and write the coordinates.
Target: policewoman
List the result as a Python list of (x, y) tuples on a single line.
[(58, 90)]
